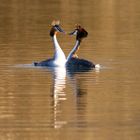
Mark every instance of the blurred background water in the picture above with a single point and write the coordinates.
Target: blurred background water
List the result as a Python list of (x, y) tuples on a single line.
[(53, 104)]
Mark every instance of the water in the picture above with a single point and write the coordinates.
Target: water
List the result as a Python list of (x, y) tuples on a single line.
[(50, 104)]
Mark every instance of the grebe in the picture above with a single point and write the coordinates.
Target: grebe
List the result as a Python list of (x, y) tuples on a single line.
[(59, 58), (72, 60)]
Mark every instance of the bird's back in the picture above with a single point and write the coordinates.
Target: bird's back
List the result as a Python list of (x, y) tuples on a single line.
[(44, 63), (80, 63)]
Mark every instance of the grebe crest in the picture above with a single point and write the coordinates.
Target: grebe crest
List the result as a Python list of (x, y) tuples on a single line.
[(55, 28), (79, 32)]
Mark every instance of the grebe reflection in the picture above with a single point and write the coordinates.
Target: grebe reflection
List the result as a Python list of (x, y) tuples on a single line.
[(59, 96)]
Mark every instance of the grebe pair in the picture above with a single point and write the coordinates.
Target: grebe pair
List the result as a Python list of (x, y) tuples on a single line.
[(59, 58)]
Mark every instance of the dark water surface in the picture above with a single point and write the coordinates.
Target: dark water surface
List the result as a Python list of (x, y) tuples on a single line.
[(44, 104)]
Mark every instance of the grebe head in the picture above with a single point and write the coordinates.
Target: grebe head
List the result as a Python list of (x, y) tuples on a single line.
[(55, 28), (79, 32)]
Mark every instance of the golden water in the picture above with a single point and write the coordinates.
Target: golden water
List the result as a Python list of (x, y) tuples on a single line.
[(42, 104)]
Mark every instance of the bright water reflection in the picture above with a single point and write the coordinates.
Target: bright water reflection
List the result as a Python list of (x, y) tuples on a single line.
[(59, 83), (60, 74)]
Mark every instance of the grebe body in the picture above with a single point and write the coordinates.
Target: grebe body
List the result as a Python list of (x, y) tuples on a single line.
[(80, 63)]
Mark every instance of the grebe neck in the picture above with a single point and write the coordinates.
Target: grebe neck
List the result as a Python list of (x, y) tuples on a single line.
[(59, 56), (73, 50)]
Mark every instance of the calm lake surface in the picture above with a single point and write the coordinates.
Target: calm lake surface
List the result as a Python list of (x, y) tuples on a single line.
[(45, 104)]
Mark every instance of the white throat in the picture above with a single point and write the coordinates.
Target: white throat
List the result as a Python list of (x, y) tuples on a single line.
[(59, 56)]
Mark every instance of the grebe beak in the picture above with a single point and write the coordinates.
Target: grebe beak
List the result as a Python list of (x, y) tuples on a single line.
[(73, 32), (59, 29)]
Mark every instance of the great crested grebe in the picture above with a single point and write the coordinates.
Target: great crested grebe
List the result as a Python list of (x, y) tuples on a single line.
[(72, 60), (59, 58)]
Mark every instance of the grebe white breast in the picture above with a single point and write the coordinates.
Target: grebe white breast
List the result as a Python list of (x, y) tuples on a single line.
[(59, 58), (72, 60)]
